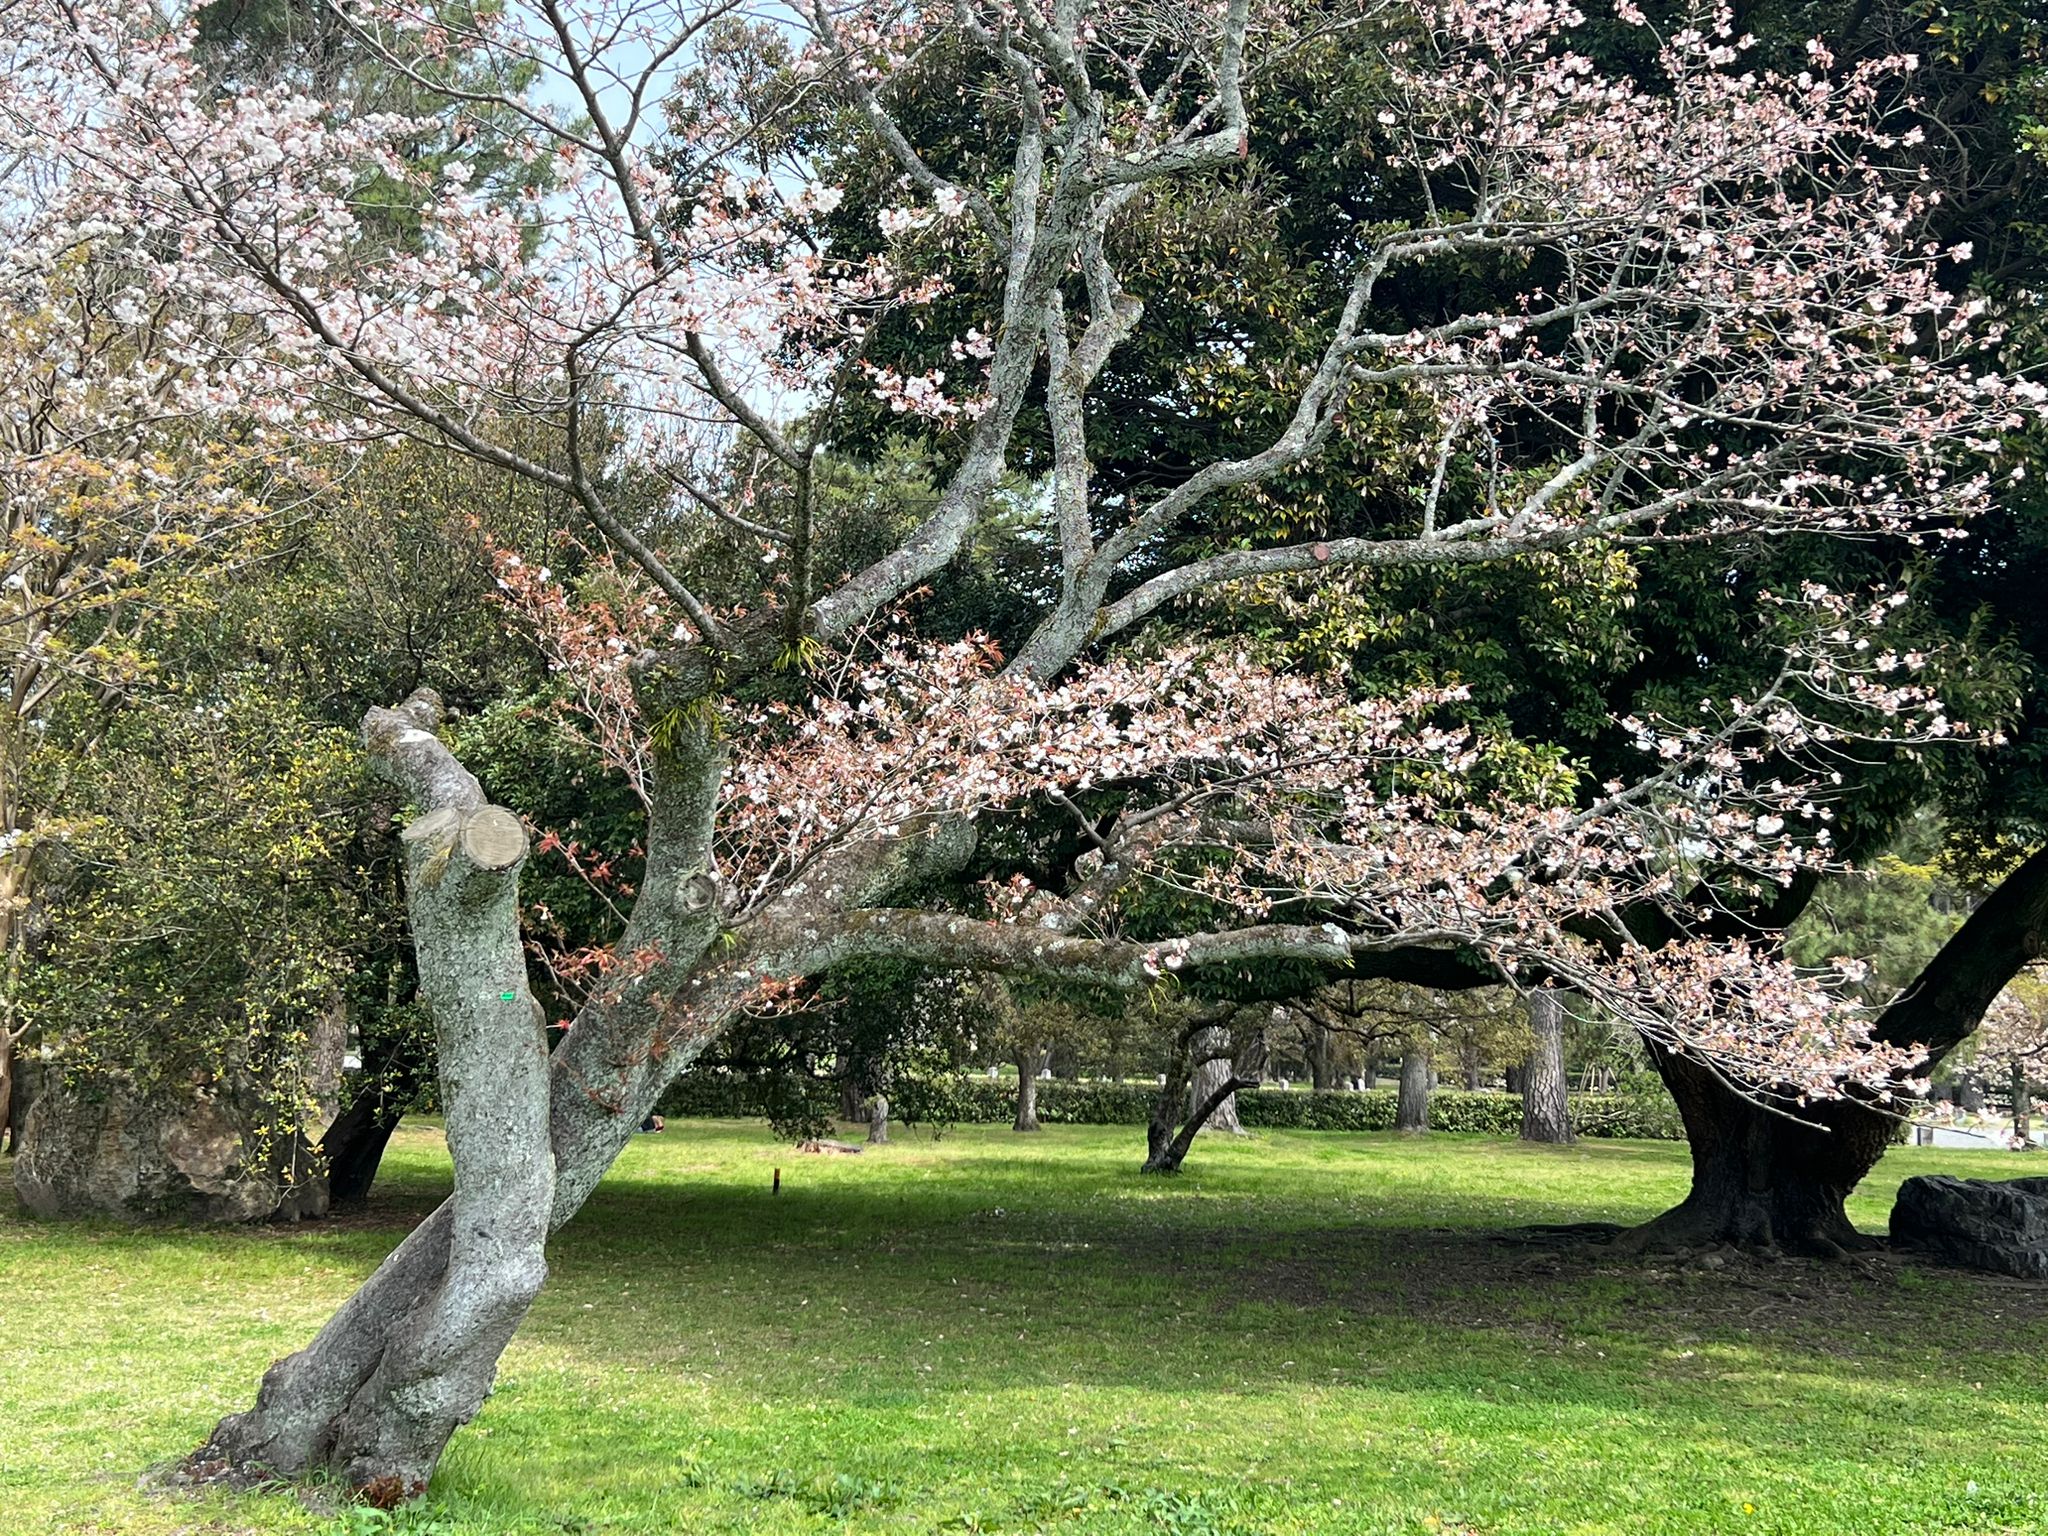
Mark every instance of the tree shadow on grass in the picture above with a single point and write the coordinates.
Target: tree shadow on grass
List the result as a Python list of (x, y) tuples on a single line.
[(1093, 1285)]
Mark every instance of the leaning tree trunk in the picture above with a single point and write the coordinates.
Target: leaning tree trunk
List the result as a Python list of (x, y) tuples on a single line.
[(432, 1366), (316, 1409), (1546, 1106), (1771, 1178), (354, 1144), (413, 1354), (1200, 1044), (1213, 1070), (1411, 1109), (353, 1147)]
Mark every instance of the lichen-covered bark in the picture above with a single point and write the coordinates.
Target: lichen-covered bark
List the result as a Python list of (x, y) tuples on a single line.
[(413, 1355)]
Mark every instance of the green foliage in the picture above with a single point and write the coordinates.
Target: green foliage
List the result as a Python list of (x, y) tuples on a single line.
[(1892, 916), (872, 1026), (195, 914), (987, 1101), (214, 864), (577, 886)]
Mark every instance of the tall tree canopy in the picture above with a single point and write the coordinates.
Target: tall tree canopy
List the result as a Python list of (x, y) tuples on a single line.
[(1708, 312)]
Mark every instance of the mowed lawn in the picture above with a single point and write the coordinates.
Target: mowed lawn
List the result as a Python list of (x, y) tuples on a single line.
[(1303, 1333)]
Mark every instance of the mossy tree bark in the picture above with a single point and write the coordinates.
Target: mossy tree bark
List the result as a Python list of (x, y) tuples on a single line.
[(378, 1402)]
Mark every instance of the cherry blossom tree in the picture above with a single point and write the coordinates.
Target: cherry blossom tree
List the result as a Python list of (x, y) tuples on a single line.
[(1727, 330), (2013, 1042)]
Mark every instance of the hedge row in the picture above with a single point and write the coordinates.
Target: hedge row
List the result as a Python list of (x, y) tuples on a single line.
[(985, 1101)]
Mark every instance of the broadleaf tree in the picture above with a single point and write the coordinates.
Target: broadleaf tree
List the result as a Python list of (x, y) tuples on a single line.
[(1725, 323)]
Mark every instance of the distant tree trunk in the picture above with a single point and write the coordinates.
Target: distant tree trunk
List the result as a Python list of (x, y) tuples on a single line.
[(1027, 1089), (354, 1147), (1318, 1059), (1473, 1066), (1546, 1107), (1209, 1079), (2022, 1111), (878, 1121), (14, 896), (1166, 1149), (1411, 1111), (354, 1144), (1372, 1071)]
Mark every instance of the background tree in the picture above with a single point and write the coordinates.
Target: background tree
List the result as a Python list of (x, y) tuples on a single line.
[(2012, 1047), (1221, 1037), (1546, 1106)]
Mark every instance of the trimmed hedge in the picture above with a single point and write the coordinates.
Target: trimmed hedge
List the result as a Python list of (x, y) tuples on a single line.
[(987, 1101)]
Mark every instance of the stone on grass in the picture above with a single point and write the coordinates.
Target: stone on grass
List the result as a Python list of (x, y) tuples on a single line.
[(196, 1158), (1990, 1224)]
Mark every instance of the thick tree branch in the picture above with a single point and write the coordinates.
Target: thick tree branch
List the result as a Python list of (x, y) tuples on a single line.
[(1947, 1000)]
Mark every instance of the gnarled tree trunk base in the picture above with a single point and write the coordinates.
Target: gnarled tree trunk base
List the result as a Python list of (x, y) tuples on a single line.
[(1763, 1180), (296, 1424)]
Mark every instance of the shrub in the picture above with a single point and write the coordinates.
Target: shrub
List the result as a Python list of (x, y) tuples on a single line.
[(992, 1101)]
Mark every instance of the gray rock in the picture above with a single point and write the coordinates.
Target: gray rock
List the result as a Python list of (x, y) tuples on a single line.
[(1997, 1225), (111, 1153)]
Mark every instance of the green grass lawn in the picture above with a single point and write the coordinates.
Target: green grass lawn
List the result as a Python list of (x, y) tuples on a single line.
[(1304, 1332)]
